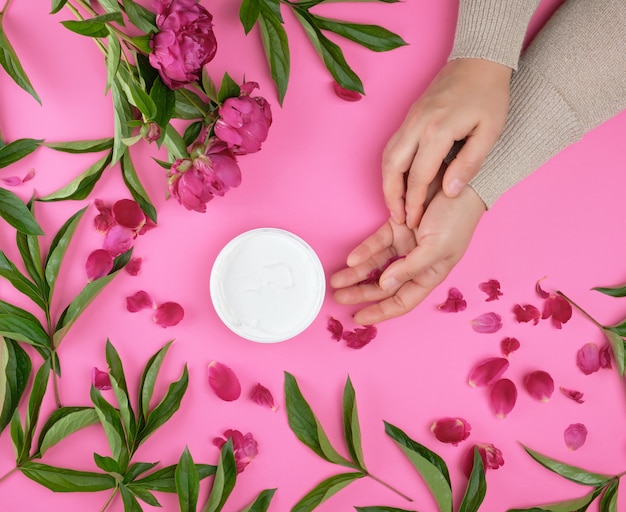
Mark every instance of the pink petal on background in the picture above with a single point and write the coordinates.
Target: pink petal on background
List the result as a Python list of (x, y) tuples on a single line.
[(99, 264), (138, 301), (575, 436), (488, 371), (245, 448), (491, 456), (492, 289), (128, 213), (588, 358), (100, 380), (259, 394), (539, 385), (168, 314), (374, 275), (133, 267), (451, 430), (502, 397), (454, 303), (147, 226), (572, 394), (540, 291), (14, 181), (558, 309), (335, 327), (526, 313), (487, 323), (104, 220), (224, 382), (118, 240), (346, 94), (509, 345), (360, 336), (605, 356)]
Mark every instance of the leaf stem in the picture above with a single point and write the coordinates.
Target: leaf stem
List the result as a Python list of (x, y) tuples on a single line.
[(5, 8), (598, 324), (108, 502), (388, 486), (4, 477)]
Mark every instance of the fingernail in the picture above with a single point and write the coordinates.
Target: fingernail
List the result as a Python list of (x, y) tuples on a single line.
[(389, 284), (455, 187)]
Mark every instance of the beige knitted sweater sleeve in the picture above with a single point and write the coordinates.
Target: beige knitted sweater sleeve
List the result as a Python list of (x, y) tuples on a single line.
[(571, 79)]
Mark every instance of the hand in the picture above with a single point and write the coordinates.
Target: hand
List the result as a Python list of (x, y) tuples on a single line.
[(431, 251), (469, 99)]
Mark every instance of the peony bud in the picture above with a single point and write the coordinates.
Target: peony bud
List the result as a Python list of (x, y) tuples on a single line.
[(451, 430), (539, 385)]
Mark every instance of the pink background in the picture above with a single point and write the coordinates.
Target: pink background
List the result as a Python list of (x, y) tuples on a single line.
[(318, 175)]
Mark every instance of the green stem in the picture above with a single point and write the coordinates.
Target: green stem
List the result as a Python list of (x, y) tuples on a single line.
[(108, 502), (5, 8), (385, 484), (4, 477), (598, 324)]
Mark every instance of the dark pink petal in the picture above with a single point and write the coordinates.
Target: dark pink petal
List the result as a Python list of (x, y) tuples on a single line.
[(540, 291), (558, 309), (118, 240), (360, 337), (147, 226), (605, 356), (451, 430), (575, 436), (245, 448), (133, 267), (138, 301), (14, 181), (168, 314), (104, 220), (577, 396), (454, 303), (488, 371), (492, 289), (374, 275), (259, 394), (99, 264), (509, 345), (128, 213), (100, 380), (224, 382), (335, 328), (527, 313), (502, 397), (487, 323), (346, 94), (539, 385), (588, 358), (491, 456)]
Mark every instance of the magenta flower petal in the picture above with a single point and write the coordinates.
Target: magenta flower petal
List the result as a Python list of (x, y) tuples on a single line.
[(588, 358), (492, 289), (509, 345), (502, 397), (374, 275), (104, 220), (99, 264), (540, 291), (539, 385), (14, 181), (572, 394), (491, 456), (575, 436), (138, 301), (224, 382), (168, 314), (129, 214), (451, 430), (133, 267), (346, 94), (487, 323), (360, 336), (118, 240), (526, 313), (335, 328), (245, 448), (558, 309), (454, 303), (605, 356), (488, 371), (100, 380), (259, 394)]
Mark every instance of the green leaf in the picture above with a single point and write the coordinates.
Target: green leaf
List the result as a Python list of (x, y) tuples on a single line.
[(63, 422), (57, 5), (189, 105), (108, 465), (148, 380), (573, 505), (122, 116), (276, 46), (139, 16), (429, 465), (262, 502), (163, 480), (137, 469), (126, 411), (17, 214), (324, 490), (114, 55), (192, 132), (112, 424), (28, 245), (372, 37), (351, 427), (17, 434), (66, 480), (129, 500), (142, 100), (476, 486), (81, 146), (111, 6), (9, 271), (573, 473), (619, 329), (40, 383), (381, 509), (224, 481), (249, 13), (208, 85), (17, 150), (608, 502), (228, 89), (187, 482), (164, 100), (174, 143), (11, 64), (23, 329), (305, 425), (613, 291), (617, 344), (93, 27), (15, 370), (143, 494), (136, 188), (81, 186)]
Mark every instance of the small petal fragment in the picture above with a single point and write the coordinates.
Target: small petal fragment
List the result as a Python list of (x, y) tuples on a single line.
[(259, 394), (575, 436), (335, 327), (588, 358), (224, 382), (605, 356), (346, 94), (487, 323), (491, 456), (572, 394), (451, 430), (133, 267), (99, 264), (360, 337), (454, 303), (374, 275), (540, 291), (526, 313), (138, 301), (503, 396), (509, 345), (488, 371), (168, 314), (492, 289), (539, 385), (245, 448), (100, 380)]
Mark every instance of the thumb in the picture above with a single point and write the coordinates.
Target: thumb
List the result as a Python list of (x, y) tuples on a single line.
[(399, 272)]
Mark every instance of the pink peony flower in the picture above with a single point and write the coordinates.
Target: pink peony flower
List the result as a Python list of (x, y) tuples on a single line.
[(185, 41), (539, 385), (502, 397), (245, 448), (454, 303), (244, 121), (491, 456), (492, 289), (509, 345), (100, 380), (335, 328), (526, 313), (224, 382), (488, 371), (259, 394), (575, 436), (451, 430), (360, 336), (487, 323)]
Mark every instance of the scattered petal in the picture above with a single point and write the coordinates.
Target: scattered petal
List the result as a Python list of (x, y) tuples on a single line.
[(605, 356), (104, 220), (374, 275), (540, 291), (100, 380), (451, 430), (335, 328), (99, 264), (168, 314), (14, 181), (245, 448), (588, 358), (577, 396), (491, 456), (454, 303), (492, 289), (129, 214), (346, 94), (502, 397), (133, 267), (539, 385), (509, 345), (118, 240), (263, 396), (575, 436), (138, 301), (558, 309), (487, 323), (488, 371), (526, 313), (147, 226), (360, 337), (224, 382)]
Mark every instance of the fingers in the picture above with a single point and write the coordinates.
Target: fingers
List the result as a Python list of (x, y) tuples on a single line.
[(382, 239), (396, 161)]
